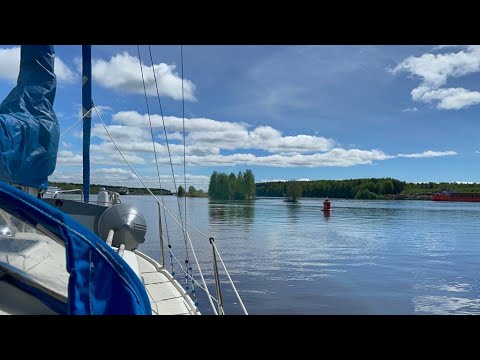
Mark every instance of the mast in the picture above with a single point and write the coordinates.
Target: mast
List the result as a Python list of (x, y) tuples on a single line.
[(87, 116)]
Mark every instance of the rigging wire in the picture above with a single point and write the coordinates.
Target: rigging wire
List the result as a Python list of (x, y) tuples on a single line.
[(76, 122), (183, 128), (187, 260), (184, 163), (154, 150)]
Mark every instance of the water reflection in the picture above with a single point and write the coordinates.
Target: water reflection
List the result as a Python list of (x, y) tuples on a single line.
[(326, 215), (231, 211), (293, 211)]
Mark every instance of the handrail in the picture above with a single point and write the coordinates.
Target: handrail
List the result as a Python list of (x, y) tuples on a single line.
[(68, 191)]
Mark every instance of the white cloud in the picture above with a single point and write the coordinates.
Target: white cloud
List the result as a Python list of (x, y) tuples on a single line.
[(121, 134), (66, 144), (229, 135), (215, 143), (334, 157), (66, 157), (428, 154), (447, 99), (116, 158), (112, 171), (122, 73), (10, 66), (414, 109), (63, 72), (101, 110), (172, 136), (441, 47), (139, 140), (172, 123), (435, 69), (9, 63)]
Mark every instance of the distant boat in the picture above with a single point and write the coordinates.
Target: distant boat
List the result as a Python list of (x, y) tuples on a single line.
[(451, 195), (123, 191)]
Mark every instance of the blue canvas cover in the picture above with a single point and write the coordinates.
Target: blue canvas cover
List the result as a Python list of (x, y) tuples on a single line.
[(29, 130), (100, 282)]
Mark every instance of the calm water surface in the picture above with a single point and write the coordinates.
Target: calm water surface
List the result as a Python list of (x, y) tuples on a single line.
[(367, 257)]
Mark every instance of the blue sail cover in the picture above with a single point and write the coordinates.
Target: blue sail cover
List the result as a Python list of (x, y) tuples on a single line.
[(100, 282), (29, 130)]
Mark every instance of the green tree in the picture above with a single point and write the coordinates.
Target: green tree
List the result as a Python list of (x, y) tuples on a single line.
[(249, 181), (181, 191), (240, 192), (192, 191), (232, 185), (293, 190), (213, 185)]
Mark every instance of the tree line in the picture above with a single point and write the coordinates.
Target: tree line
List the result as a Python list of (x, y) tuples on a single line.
[(232, 187), (349, 189), (192, 192), (369, 188)]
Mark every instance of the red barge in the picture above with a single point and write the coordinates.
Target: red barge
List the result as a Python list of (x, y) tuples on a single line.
[(447, 195)]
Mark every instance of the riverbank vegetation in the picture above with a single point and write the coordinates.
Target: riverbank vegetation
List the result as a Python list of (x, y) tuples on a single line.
[(370, 188)]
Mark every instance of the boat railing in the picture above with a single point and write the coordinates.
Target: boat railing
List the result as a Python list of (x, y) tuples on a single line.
[(187, 268), (68, 191)]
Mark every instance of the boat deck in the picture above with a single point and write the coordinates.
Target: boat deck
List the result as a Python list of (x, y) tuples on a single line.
[(42, 261), (166, 295)]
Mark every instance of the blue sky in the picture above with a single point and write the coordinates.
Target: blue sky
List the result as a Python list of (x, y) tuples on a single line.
[(286, 112)]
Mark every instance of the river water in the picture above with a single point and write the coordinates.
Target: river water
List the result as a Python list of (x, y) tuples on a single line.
[(367, 257)]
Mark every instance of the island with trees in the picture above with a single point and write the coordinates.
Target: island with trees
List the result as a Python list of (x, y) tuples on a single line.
[(232, 187), (293, 191)]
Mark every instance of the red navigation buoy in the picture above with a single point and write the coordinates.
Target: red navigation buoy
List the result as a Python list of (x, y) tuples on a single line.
[(326, 205)]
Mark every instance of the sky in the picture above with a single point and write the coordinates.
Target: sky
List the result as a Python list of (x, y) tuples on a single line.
[(286, 112)]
